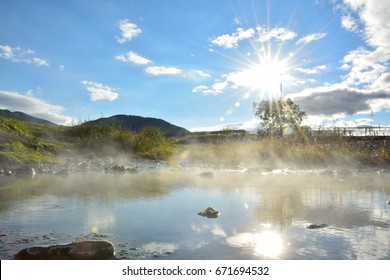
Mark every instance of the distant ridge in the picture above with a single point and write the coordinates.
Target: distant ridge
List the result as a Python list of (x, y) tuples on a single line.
[(20, 116), (137, 123)]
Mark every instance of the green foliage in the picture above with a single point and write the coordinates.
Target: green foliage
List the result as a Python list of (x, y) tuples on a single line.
[(19, 153), (277, 115), (107, 138), (87, 131), (151, 143), (22, 142), (19, 143), (14, 126)]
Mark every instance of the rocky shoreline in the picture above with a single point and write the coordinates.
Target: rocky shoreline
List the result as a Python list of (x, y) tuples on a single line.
[(81, 165), (135, 166)]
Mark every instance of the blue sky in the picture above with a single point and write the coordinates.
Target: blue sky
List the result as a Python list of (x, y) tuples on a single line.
[(198, 64)]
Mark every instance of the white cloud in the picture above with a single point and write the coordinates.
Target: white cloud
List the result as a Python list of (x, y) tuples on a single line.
[(128, 31), (40, 61), (349, 23), (98, 91), (162, 70), (251, 126), (261, 34), (200, 88), (310, 38), (277, 33), (197, 74), (382, 82), (20, 55), (215, 89), (133, 57), (374, 14), (366, 65), (229, 41), (311, 71), (33, 106)]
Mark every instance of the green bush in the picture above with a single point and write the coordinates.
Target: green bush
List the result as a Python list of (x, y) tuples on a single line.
[(151, 143)]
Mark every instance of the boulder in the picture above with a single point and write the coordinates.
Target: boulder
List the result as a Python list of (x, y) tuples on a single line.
[(83, 250), (210, 212), (315, 226)]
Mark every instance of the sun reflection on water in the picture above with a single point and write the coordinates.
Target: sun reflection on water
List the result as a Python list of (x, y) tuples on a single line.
[(268, 244)]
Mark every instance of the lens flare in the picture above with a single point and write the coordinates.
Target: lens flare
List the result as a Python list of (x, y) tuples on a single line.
[(94, 229)]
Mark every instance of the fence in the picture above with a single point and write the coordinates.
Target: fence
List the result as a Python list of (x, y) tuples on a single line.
[(354, 131)]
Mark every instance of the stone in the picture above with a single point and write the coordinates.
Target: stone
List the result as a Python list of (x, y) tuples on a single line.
[(207, 174), (83, 250), (118, 168), (315, 226), (388, 202), (210, 212)]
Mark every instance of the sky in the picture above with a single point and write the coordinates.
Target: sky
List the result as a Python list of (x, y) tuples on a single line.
[(197, 64)]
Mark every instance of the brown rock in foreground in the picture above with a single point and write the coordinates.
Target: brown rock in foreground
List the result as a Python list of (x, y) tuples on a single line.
[(83, 250)]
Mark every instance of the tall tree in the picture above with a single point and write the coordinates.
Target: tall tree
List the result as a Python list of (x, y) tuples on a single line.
[(277, 115)]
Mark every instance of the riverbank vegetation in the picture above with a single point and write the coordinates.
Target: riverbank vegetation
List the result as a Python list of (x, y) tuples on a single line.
[(22, 143)]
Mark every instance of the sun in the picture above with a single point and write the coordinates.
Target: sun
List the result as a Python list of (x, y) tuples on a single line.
[(266, 76)]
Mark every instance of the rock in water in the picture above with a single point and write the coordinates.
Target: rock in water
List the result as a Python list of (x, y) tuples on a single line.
[(118, 168), (315, 226), (207, 174), (83, 250), (210, 212)]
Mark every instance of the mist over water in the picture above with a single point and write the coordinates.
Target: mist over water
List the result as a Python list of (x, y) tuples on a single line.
[(264, 213)]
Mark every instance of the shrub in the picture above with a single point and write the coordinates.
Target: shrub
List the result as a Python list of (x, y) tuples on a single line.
[(151, 143)]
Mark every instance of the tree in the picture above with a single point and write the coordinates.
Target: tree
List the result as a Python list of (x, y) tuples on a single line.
[(276, 115)]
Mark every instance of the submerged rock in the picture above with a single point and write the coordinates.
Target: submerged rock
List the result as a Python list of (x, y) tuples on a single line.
[(83, 250), (388, 202), (210, 212), (315, 226), (207, 174)]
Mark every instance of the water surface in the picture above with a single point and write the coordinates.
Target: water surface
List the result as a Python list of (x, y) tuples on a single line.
[(153, 214)]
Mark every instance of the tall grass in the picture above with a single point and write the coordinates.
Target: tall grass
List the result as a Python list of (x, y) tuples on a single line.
[(282, 151)]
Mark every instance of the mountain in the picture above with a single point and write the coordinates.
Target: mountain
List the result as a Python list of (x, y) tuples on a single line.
[(22, 117), (137, 123)]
